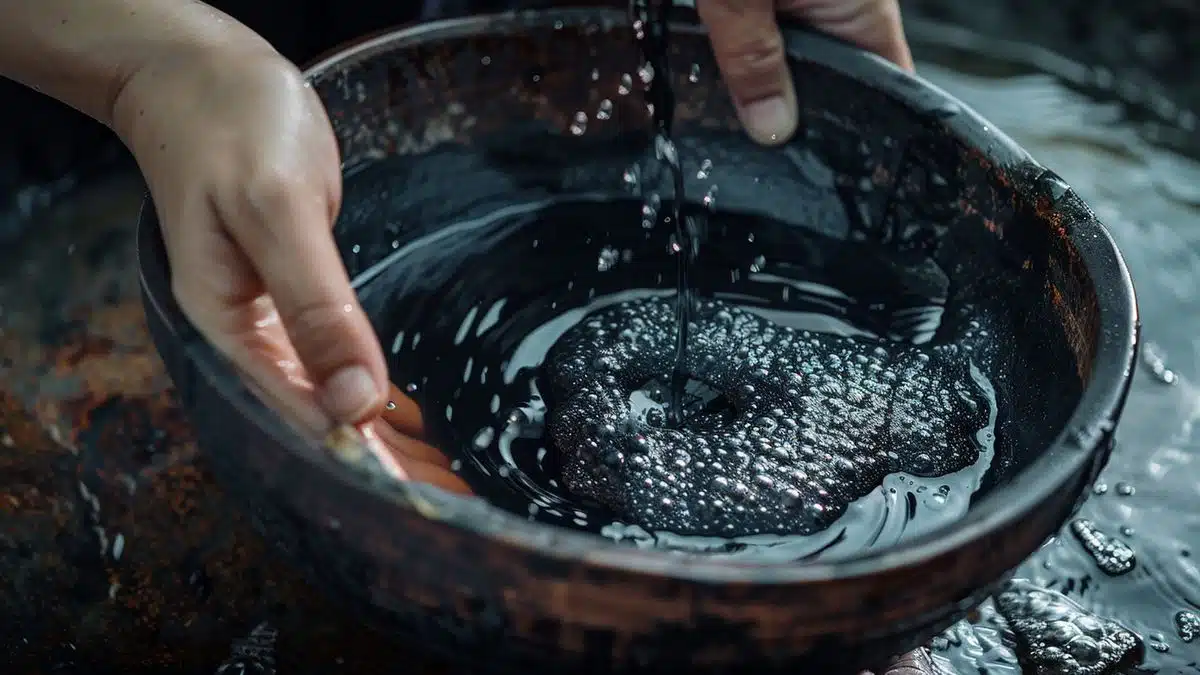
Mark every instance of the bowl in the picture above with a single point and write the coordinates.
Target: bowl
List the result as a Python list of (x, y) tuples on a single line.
[(892, 192)]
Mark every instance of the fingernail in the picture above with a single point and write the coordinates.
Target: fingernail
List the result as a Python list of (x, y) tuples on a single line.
[(350, 394), (770, 121)]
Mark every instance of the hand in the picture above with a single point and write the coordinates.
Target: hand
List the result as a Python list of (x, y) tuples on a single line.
[(749, 50), (246, 177), (397, 430)]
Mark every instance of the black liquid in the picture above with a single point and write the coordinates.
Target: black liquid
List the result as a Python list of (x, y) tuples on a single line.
[(1056, 635), (472, 339), (651, 28)]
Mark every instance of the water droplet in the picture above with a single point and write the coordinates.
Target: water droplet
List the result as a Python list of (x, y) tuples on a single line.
[(646, 73), (1154, 359), (483, 439), (579, 124), (1187, 624), (608, 259)]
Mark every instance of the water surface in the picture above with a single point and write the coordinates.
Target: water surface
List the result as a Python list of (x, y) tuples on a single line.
[(1147, 501)]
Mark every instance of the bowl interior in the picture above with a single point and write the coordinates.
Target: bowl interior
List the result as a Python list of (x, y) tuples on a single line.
[(913, 221)]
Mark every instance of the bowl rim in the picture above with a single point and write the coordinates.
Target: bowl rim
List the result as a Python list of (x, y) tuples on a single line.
[(1087, 432)]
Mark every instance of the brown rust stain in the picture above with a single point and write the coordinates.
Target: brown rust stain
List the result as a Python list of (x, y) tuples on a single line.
[(117, 550)]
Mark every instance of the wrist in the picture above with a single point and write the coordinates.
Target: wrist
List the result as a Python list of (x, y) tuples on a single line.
[(84, 52), (157, 78)]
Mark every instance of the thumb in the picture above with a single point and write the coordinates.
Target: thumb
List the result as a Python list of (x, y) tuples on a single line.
[(292, 248), (750, 53), (872, 24)]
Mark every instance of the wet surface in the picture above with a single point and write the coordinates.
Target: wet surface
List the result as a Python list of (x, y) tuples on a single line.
[(118, 552), (1131, 555)]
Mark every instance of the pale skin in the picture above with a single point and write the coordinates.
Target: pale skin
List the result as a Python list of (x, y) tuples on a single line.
[(244, 169)]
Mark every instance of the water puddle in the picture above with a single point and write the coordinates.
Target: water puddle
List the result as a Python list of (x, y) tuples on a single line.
[(1130, 555)]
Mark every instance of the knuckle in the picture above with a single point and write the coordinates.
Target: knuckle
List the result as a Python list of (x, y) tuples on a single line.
[(318, 330), (271, 193), (755, 66), (276, 199)]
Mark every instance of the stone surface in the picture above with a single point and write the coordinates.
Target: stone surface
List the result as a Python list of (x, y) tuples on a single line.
[(117, 550)]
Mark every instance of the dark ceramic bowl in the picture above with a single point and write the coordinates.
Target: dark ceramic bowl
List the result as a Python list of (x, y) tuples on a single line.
[(892, 174)]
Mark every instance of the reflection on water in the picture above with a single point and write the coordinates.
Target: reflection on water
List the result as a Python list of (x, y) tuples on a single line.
[(1130, 555)]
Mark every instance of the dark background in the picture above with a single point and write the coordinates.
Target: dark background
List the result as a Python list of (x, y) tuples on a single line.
[(42, 141)]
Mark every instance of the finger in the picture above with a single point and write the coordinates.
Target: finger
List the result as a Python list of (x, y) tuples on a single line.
[(418, 461), (412, 448), (403, 414), (440, 478), (872, 24), (750, 53), (410, 469), (221, 293), (285, 231), (270, 368)]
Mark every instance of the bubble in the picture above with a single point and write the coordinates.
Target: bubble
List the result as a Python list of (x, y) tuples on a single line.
[(579, 124), (1187, 624), (605, 111), (1056, 635), (1153, 357), (1113, 556), (608, 259), (626, 85), (788, 456)]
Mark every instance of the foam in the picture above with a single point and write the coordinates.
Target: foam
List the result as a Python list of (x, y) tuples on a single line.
[(785, 427)]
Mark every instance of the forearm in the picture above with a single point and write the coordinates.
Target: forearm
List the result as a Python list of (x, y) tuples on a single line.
[(82, 52)]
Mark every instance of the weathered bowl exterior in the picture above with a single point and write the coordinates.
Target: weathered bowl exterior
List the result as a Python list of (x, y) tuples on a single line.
[(511, 595)]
